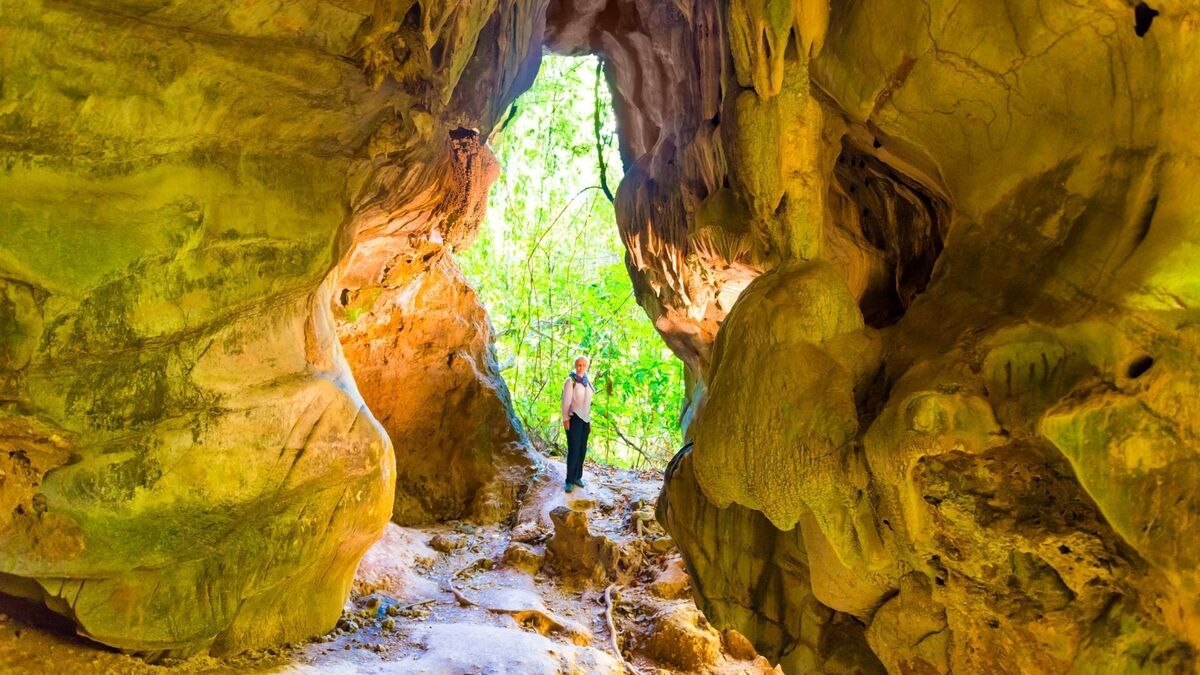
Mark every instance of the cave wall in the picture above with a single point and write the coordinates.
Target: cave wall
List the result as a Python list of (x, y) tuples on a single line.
[(189, 190), (182, 439), (422, 357), (420, 344), (954, 389), (415, 335), (931, 267)]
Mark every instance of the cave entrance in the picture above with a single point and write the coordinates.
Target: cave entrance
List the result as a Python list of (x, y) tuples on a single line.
[(549, 266)]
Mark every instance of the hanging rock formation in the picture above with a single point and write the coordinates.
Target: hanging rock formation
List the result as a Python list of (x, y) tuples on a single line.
[(931, 267), (422, 357), (944, 426), (990, 467)]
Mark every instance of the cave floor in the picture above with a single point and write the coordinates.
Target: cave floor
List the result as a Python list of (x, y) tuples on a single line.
[(462, 598)]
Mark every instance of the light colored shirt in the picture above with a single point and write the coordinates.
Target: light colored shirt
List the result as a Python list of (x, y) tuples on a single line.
[(577, 398)]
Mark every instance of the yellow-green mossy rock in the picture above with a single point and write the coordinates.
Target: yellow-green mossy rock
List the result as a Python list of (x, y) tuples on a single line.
[(780, 405), (185, 462), (1014, 472), (747, 573), (1129, 435)]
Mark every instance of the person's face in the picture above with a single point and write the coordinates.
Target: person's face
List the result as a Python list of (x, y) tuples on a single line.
[(581, 365)]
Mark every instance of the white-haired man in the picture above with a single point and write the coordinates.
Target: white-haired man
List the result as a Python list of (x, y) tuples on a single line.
[(577, 420)]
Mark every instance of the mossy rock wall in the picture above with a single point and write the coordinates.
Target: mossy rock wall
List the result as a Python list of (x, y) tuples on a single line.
[(186, 463), (932, 267)]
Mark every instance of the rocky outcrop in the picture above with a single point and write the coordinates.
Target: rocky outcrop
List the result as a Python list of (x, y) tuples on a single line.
[(956, 395), (681, 638), (182, 440), (421, 349), (576, 553), (417, 339), (186, 189), (934, 285), (749, 574)]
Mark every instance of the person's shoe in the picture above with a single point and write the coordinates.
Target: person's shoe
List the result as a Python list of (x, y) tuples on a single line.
[(579, 484), (568, 487)]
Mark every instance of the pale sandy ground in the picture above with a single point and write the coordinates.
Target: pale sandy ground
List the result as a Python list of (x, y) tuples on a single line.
[(443, 636)]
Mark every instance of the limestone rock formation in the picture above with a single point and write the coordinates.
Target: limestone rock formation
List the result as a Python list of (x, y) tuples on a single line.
[(748, 574), (421, 349), (415, 335), (182, 440), (931, 266), (576, 553), (186, 189), (992, 469), (681, 638)]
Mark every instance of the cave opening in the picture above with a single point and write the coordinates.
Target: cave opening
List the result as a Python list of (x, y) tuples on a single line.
[(250, 405), (549, 266)]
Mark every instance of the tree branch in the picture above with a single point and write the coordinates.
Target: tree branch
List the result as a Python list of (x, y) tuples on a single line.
[(628, 442), (596, 124)]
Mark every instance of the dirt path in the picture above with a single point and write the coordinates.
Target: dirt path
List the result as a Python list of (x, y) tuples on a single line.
[(525, 598)]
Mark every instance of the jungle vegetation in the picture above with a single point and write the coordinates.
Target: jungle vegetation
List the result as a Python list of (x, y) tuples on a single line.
[(549, 266)]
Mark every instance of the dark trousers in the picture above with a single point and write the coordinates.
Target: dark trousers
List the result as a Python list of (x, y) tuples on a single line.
[(577, 437)]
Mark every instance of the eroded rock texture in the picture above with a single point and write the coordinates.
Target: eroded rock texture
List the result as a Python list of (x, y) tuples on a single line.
[(187, 192), (417, 339), (931, 266), (421, 349), (182, 440), (955, 394)]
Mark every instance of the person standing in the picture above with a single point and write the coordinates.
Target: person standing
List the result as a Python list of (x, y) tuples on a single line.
[(577, 420)]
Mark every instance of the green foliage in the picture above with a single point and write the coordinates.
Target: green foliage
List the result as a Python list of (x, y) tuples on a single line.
[(549, 266)]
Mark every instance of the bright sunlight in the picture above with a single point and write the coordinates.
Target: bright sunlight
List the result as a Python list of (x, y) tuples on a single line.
[(549, 267)]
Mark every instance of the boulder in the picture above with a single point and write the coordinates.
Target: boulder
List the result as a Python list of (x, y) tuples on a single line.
[(671, 582), (577, 554), (680, 638), (523, 557)]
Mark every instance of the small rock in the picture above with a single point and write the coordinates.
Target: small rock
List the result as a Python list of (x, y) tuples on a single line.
[(680, 637), (738, 646), (523, 557), (662, 544), (446, 543), (576, 552), (389, 623), (526, 531), (672, 582)]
